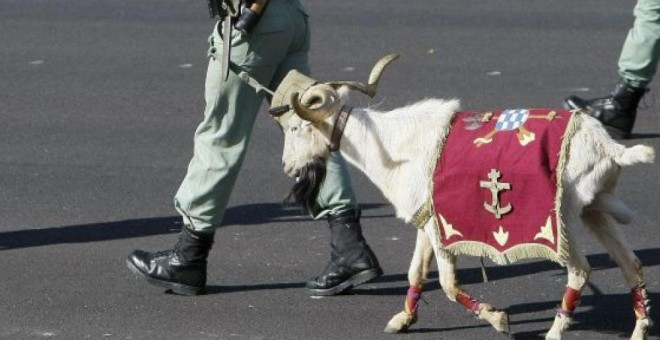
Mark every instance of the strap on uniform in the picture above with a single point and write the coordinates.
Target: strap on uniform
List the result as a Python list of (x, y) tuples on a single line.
[(248, 79), (228, 65), (226, 47)]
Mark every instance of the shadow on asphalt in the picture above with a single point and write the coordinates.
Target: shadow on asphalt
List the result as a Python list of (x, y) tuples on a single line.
[(649, 257), (596, 310), (250, 287), (249, 214), (644, 135)]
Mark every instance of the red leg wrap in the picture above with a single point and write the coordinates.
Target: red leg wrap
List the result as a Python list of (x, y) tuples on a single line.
[(412, 299), (468, 302), (571, 299), (640, 302)]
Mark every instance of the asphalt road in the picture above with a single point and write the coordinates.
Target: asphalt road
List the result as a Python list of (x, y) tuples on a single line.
[(98, 104)]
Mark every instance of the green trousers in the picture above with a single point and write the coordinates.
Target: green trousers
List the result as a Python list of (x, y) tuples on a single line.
[(639, 57), (279, 43)]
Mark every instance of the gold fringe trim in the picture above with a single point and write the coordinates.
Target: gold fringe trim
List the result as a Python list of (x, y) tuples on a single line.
[(563, 247), (426, 211), (517, 253), (422, 215)]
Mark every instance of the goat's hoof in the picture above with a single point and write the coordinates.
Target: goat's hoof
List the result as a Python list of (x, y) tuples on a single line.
[(501, 322), (560, 325), (641, 328), (400, 323), (553, 336), (497, 318)]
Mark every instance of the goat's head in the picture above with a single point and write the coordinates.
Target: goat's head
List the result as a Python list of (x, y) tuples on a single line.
[(306, 110)]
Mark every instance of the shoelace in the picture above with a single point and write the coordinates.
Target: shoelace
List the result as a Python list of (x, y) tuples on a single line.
[(164, 253), (603, 101)]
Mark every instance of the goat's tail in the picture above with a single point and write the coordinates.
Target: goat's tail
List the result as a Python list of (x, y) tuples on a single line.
[(635, 154)]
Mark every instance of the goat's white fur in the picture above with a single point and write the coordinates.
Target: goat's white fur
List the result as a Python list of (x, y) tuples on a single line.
[(396, 149)]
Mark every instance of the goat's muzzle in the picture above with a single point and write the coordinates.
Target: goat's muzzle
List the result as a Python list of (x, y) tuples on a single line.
[(308, 184)]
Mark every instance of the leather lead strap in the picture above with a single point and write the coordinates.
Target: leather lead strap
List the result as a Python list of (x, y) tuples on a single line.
[(338, 128), (226, 47)]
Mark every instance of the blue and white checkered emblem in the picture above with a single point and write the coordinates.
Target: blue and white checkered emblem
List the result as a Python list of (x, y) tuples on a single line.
[(511, 119)]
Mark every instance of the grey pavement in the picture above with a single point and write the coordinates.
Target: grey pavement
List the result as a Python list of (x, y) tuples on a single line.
[(98, 104)]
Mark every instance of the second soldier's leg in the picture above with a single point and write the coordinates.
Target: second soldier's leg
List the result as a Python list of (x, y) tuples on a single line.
[(638, 61), (637, 66), (352, 262)]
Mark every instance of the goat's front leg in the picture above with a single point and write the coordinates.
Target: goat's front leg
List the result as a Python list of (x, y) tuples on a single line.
[(578, 275), (447, 269), (417, 274)]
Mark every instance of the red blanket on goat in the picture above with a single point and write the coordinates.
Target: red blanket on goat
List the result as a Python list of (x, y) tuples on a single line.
[(497, 188)]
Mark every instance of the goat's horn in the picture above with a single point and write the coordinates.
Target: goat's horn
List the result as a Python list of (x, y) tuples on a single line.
[(306, 113), (376, 72)]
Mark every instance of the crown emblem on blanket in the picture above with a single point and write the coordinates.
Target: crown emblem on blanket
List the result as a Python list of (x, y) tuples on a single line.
[(509, 120)]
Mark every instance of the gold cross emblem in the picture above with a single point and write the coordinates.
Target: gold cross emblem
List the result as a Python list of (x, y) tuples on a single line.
[(495, 188)]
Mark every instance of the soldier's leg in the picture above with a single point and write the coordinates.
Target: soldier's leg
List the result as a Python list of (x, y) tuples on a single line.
[(220, 143), (352, 262), (232, 106), (638, 63), (219, 146), (639, 56)]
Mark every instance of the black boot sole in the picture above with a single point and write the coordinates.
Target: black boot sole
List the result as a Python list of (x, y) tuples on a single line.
[(176, 288), (354, 281)]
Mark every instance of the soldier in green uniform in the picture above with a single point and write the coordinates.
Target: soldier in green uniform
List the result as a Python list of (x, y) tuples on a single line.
[(270, 41)]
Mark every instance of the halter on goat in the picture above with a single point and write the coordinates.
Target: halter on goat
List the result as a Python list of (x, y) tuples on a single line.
[(319, 104)]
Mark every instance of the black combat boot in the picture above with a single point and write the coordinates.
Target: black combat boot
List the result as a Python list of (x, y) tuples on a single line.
[(617, 111), (182, 269), (352, 262)]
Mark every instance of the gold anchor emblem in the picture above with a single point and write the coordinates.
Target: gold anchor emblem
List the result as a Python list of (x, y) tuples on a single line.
[(495, 188)]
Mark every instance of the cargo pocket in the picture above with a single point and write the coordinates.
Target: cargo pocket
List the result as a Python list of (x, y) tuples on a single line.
[(269, 41)]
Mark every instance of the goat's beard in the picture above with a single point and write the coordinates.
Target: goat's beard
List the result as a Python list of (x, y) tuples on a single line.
[(308, 185)]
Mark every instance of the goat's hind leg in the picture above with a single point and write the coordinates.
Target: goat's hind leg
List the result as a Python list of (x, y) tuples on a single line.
[(614, 241), (417, 274)]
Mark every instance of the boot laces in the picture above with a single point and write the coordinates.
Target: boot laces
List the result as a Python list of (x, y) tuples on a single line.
[(601, 103), (164, 253)]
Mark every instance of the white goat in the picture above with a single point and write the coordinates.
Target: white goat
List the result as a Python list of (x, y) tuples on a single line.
[(394, 150)]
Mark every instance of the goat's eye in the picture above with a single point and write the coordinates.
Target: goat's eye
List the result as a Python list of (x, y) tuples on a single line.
[(294, 128)]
